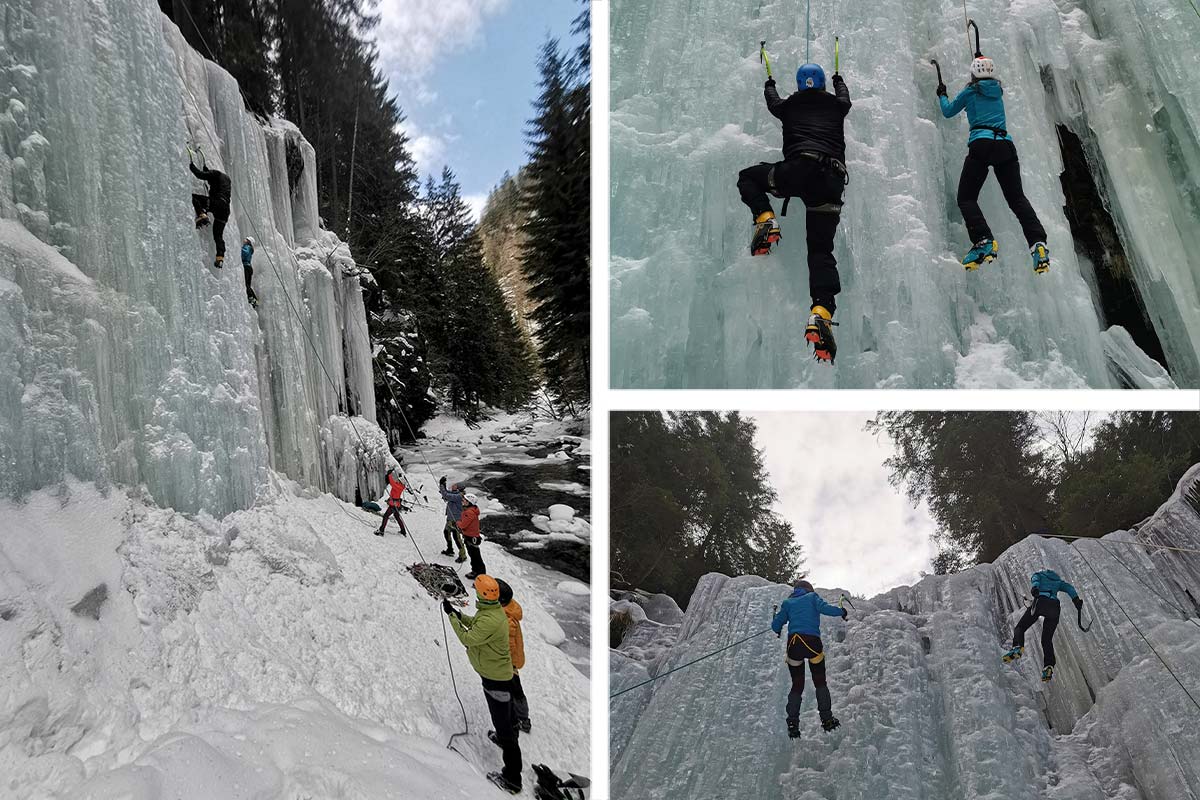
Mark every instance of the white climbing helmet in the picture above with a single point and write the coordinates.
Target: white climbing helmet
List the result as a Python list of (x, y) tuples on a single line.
[(250, 241), (983, 67), (471, 498)]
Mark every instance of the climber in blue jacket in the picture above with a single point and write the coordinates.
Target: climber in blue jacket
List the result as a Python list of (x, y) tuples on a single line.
[(802, 613), (990, 145), (248, 269), (1045, 586)]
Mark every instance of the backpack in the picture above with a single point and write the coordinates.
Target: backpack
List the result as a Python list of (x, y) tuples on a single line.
[(552, 787), (1046, 581)]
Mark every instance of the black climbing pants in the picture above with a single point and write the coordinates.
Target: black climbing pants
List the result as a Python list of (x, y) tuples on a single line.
[(249, 273), (1048, 609), (802, 647), (820, 185), (520, 702), (1001, 156), (477, 565), (499, 698), (393, 511), (220, 213)]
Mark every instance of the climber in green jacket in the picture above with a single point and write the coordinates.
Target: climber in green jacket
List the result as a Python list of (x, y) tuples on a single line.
[(485, 636)]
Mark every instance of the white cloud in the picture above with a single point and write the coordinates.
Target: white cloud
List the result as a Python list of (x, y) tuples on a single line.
[(428, 149), (858, 531), (413, 35), (476, 202)]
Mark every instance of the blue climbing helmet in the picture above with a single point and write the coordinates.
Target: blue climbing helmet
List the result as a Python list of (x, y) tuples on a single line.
[(810, 76)]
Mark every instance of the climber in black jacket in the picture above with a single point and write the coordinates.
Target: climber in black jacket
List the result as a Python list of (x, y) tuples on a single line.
[(813, 169), (216, 201)]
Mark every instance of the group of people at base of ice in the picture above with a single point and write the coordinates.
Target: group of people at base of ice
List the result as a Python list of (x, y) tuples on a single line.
[(462, 520), (801, 613), (216, 203), (493, 638), (814, 170)]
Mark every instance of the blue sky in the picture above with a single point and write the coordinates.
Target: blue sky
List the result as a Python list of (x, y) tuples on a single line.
[(465, 74)]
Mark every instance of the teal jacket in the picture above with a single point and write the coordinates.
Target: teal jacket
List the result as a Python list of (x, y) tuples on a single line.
[(1047, 584), (984, 103)]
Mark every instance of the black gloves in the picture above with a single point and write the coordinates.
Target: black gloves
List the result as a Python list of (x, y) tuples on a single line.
[(779, 635), (770, 82), (1033, 593), (941, 90), (449, 609), (442, 481), (1078, 601), (844, 614), (837, 78)]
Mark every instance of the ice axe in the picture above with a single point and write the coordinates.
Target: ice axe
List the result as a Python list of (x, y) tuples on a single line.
[(971, 24), (837, 49), (763, 58), (941, 83)]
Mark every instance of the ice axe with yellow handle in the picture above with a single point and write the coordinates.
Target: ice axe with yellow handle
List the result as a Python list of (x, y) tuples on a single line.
[(763, 58)]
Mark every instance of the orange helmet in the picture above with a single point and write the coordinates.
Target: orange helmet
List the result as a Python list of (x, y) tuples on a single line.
[(487, 588)]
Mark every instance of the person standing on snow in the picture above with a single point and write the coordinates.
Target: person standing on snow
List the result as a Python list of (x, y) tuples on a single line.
[(395, 490), (1045, 588), (453, 498), (802, 613), (813, 169), (248, 270), (516, 648), (220, 191), (486, 638), (990, 145), (468, 523)]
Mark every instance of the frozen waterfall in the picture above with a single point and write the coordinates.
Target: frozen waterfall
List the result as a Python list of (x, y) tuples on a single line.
[(1103, 103), (125, 357), (927, 708)]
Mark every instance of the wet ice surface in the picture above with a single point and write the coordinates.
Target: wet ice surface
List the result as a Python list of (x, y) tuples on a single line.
[(927, 709), (691, 308)]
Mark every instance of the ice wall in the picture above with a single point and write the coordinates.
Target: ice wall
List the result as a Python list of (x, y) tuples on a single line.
[(124, 356), (691, 308), (927, 709)]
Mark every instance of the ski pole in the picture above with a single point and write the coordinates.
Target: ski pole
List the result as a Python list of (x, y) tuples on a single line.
[(763, 58)]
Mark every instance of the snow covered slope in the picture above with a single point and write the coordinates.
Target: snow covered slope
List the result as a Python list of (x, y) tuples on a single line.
[(125, 358), (691, 308), (927, 709), (282, 651)]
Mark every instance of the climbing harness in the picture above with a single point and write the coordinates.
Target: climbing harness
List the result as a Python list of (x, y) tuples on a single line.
[(817, 658)]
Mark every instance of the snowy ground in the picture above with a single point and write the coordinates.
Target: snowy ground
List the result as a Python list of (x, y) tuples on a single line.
[(928, 711), (280, 651)]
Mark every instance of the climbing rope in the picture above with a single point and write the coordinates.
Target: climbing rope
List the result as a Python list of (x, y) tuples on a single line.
[(690, 663), (808, 32), (1128, 544), (1138, 630), (329, 378), (1183, 612)]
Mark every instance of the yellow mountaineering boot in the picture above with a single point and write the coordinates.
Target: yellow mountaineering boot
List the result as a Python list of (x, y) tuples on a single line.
[(766, 233), (819, 332)]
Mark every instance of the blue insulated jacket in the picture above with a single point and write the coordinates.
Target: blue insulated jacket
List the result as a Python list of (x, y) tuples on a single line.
[(1047, 584), (247, 254), (984, 103), (802, 613), (454, 501)]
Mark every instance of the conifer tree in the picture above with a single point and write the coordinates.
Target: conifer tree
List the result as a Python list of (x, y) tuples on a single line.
[(557, 243)]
